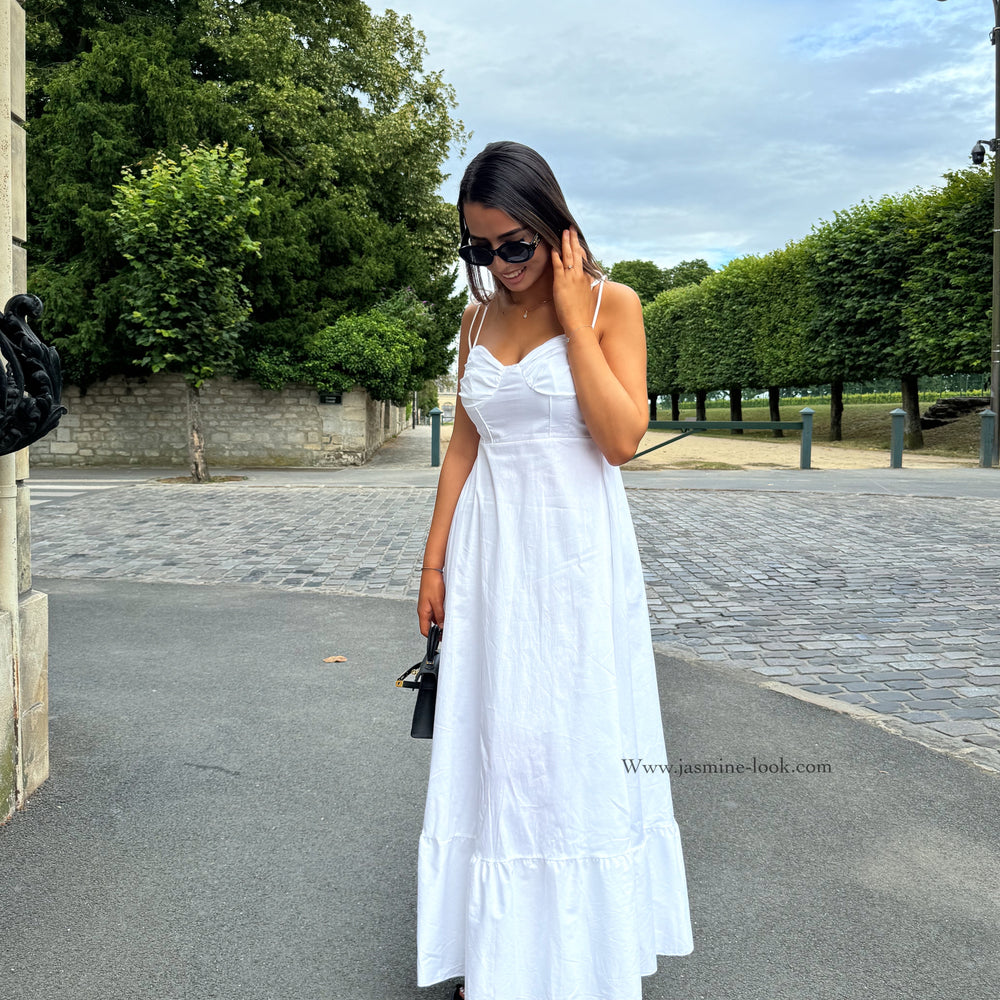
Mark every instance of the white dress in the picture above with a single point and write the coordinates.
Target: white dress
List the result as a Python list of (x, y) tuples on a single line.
[(549, 865)]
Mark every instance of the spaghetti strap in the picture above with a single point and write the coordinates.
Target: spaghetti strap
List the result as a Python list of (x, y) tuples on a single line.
[(479, 329), (472, 323), (600, 292)]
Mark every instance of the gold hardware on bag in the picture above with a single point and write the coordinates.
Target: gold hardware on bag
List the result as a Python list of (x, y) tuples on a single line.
[(402, 681)]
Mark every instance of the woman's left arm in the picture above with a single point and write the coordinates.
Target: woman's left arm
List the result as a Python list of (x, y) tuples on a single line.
[(609, 363)]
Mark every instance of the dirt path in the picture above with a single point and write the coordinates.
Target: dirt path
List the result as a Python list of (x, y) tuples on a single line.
[(697, 451)]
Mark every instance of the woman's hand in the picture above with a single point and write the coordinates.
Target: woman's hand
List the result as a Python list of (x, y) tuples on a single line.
[(430, 600), (571, 294)]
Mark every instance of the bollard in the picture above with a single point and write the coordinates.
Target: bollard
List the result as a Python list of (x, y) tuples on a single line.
[(805, 446), (896, 443), (989, 419), (435, 437)]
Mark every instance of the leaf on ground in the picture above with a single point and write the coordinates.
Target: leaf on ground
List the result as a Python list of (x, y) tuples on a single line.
[(335, 659)]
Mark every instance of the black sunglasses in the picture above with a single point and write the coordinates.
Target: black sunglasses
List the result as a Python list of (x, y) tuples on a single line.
[(513, 253)]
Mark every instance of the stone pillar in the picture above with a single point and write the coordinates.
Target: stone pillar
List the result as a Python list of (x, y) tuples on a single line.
[(24, 730)]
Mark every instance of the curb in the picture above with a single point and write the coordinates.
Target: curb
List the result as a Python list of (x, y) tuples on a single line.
[(981, 757), (951, 746)]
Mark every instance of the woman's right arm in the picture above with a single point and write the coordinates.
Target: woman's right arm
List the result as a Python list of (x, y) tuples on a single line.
[(455, 469)]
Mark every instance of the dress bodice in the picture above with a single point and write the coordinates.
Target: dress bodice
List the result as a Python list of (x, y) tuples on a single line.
[(534, 398), (530, 400)]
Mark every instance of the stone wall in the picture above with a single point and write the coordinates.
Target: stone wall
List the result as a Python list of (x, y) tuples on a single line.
[(24, 720), (144, 422)]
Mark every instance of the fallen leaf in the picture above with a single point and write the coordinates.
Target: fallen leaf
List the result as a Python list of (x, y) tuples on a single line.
[(335, 659)]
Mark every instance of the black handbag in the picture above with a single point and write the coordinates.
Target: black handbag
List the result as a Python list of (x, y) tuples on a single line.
[(30, 378), (425, 682)]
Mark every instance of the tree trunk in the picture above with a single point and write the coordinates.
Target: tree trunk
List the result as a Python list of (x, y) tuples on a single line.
[(699, 404), (913, 433), (774, 405), (675, 406), (837, 411), (652, 406), (736, 406), (196, 440)]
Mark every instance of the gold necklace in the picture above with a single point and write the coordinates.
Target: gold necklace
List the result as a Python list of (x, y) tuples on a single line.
[(537, 305)]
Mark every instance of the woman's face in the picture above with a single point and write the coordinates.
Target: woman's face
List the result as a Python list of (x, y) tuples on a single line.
[(491, 227)]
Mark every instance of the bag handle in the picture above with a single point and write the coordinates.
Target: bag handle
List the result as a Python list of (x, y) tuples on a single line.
[(433, 640)]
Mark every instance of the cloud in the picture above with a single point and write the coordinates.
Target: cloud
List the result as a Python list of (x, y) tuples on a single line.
[(863, 27), (719, 128)]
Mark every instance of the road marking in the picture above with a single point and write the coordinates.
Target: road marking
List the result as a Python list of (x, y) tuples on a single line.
[(44, 491)]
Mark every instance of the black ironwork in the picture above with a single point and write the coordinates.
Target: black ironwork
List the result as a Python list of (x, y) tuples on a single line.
[(30, 378)]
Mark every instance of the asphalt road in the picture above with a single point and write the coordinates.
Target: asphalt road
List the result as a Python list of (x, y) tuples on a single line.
[(230, 817)]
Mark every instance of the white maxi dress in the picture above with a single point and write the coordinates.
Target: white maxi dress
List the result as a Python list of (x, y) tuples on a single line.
[(549, 864)]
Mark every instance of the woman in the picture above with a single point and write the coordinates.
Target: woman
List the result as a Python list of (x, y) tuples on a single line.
[(550, 864)]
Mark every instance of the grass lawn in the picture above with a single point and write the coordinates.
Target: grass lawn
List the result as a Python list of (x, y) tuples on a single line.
[(864, 425)]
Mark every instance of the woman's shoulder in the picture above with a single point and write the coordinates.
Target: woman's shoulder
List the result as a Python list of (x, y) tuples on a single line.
[(619, 318), (619, 307), (617, 294), (465, 327), (472, 308), (468, 315)]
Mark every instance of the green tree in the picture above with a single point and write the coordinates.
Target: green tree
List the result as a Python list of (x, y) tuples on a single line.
[(665, 319), (727, 331), (858, 267), (644, 277), (427, 397), (949, 288), (687, 272), (689, 324), (338, 118), (389, 364), (780, 315), (181, 225), (375, 351), (647, 280)]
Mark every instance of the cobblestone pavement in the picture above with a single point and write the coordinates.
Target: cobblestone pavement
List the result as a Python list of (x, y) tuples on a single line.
[(887, 603)]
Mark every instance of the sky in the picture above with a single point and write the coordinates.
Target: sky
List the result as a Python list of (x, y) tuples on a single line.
[(717, 128)]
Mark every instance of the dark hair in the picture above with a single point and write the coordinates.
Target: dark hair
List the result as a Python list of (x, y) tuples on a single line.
[(516, 180)]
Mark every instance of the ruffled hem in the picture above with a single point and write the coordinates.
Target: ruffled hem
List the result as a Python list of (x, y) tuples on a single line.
[(530, 924)]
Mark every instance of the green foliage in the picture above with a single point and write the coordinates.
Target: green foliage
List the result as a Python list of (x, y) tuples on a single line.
[(892, 288), (427, 396), (375, 351), (647, 280), (729, 304), (949, 286), (669, 320), (338, 118), (273, 368), (701, 336), (435, 325), (181, 226), (779, 314), (687, 272), (858, 265), (644, 277), (381, 351)]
